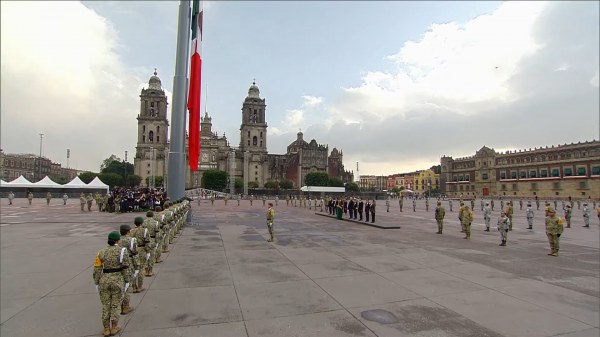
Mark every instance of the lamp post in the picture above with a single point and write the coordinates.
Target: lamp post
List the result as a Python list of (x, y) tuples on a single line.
[(151, 180), (41, 141)]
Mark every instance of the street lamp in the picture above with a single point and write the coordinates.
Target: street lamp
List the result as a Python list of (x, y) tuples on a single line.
[(40, 173)]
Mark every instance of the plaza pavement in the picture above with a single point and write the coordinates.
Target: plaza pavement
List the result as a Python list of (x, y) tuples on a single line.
[(322, 277)]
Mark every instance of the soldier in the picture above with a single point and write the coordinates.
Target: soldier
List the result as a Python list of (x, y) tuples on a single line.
[(554, 228), (158, 216), (537, 203), (450, 205), (111, 278), (48, 198), (586, 215), (492, 204), (461, 211), (440, 213), (238, 199), (401, 202), (578, 204), (387, 204), (555, 203), (129, 243), (11, 196), (226, 199), (65, 197), (212, 199), (89, 199), (546, 208), (414, 205), (427, 204), (270, 220), (568, 213), (373, 212), (264, 199), (140, 233), (30, 197), (251, 198), (360, 208), (277, 201), (287, 200), (487, 216), (482, 205), (503, 225), (309, 203), (509, 214), (152, 226), (520, 204), (320, 205), (351, 208), (466, 221), (529, 213), (367, 210), (82, 201), (501, 204)]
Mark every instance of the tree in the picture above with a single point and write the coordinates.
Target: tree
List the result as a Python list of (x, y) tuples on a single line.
[(252, 184), (87, 176), (158, 181), (106, 162), (133, 180), (271, 184), (286, 184), (352, 186), (118, 167), (335, 182), (238, 183), (316, 179), (61, 180), (395, 190), (111, 179), (214, 180)]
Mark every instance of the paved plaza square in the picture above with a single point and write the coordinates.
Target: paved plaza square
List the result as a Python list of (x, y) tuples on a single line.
[(321, 277)]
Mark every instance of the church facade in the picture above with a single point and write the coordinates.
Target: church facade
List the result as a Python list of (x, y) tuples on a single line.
[(250, 161)]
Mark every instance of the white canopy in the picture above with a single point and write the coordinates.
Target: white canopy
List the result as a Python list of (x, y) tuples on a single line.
[(46, 182), (75, 183), (2, 182), (407, 191), (97, 183), (323, 189), (19, 182)]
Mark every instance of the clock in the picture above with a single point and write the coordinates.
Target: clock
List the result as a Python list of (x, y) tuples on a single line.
[(204, 156)]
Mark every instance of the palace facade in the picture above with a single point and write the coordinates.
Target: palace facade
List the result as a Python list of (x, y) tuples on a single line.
[(546, 172)]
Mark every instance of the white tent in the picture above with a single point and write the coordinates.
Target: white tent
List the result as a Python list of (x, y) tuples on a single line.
[(19, 182), (2, 182), (97, 183), (46, 182), (75, 183)]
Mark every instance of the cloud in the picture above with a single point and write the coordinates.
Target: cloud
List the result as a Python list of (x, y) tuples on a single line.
[(61, 69), (524, 75), (312, 101)]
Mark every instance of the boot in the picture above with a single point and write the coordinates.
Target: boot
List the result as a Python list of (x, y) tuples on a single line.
[(554, 253), (149, 272), (158, 260), (487, 230), (438, 232), (125, 308), (106, 331), (503, 243), (115, 327)]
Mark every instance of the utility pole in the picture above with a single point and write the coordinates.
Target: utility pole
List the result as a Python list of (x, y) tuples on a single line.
[(40, 173)]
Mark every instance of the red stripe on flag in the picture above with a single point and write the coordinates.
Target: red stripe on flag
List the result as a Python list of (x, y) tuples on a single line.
[(194, 108)]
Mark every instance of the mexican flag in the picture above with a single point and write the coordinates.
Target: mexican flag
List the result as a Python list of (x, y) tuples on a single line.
[(193, 103)]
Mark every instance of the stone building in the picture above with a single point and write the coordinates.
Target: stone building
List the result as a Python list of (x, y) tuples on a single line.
[(33, 168), (250, 161), (547, 172)]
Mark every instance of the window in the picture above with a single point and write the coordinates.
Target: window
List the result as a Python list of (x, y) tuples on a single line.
[(248, 142), (254, 140), (261, 143), (148, 164), (157, 139), (543, 173), (503, 187), (158, 129), (534, 186), (555, 172), (484, 176), (583, 185), (461, 187), (513, 174), (261, 134), (523, 174), (514, 187), (148, 172), (151, 112), (568, 171), (533, 174), (581, 171), (556, 185), (468, 177), (151, 136), (502, 175), (143, 138), (152, 104), (143, 128), (595, 170), (454, 178), (248, 134)]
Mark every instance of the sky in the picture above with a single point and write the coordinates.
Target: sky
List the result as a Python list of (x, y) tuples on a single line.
[(394, 85)]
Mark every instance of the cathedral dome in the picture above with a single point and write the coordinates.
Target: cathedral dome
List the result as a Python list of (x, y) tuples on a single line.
[(154, 82), (253, 92)]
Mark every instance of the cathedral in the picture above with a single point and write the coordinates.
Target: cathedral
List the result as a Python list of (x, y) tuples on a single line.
[(250, 161)]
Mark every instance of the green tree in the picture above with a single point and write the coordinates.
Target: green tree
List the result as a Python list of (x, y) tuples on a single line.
[(111, 179), (238, 183), (395, 190), (61, 180), (335, 182), (106, 162), (87, 176), (134, 180), (316, 179), (352, 186), (271, 184), (252, 184), (214, 180), (158, 181), (286, 184)]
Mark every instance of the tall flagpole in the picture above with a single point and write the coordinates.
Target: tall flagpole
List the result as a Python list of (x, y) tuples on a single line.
[(176, 169)]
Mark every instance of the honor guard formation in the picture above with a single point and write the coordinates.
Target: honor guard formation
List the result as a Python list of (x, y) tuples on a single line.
[(129, 257)]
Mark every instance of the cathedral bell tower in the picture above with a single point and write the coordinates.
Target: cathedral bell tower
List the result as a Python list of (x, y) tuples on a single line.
[(152, 145), (253, 131)]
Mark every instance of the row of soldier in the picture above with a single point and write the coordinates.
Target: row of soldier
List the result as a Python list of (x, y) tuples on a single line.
[(120, 267)]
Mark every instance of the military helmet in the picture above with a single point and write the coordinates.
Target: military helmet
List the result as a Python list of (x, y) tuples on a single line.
[(551, 210), (149, 214), (124, 229), (138, 220), (114, 236)]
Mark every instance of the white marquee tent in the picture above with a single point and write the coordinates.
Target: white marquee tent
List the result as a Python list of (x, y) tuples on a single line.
[(21, 184)]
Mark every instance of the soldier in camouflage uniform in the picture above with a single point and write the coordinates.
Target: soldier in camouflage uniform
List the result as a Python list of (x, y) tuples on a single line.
[(264, 199), (530, 216), (509, 214), (82, 201), (48, 198), (503, 225), (487, 216), (140, 233), (89, 199), (30, 197), (440, 213), (133, 271), (158, 216), (426, 204), (568, 213), (467, 219), (270, 220), (212, 199), (226, 199), (111, 279), (460, 217), (554, 229), (586, 215), (152, 226)]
